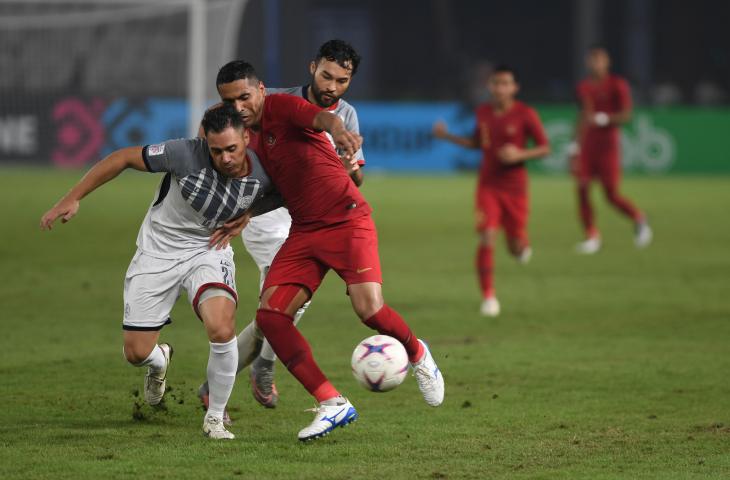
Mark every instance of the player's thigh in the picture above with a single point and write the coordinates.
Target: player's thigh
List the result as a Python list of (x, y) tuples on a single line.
[(151, 287), (351, 250), (295, 264), (285, 298), (515, 209), (487, 209), (213, 269), (217, 309)]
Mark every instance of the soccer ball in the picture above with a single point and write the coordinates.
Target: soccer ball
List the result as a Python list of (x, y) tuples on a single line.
[(379, 363)]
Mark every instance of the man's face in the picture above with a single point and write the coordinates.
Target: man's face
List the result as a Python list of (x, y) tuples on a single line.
[(228, 150), (502, 86), (247, 96), (598, 62), (330, 81)]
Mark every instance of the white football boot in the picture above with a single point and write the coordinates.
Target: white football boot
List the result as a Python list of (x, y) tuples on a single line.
[(643, 235), (589, 246), (429, 378), (524, 257), (155, 383), (213, 428), (490, 307), (327, 418)]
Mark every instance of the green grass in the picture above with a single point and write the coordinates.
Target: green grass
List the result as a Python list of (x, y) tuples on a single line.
[(612, 366)]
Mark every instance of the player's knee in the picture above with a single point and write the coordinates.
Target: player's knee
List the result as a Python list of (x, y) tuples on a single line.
[(366, 306), (487, 238), (136, 354), (222, 333)]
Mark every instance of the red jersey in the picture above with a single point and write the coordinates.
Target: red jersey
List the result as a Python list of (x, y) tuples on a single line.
[(495, 130), (610, 95), (304, 166)]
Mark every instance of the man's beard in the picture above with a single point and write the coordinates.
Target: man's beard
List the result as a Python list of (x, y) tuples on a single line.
[(322, 101)]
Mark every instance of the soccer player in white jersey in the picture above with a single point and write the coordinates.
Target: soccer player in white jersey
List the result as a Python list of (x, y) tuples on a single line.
[(331, 72), (208, 181)]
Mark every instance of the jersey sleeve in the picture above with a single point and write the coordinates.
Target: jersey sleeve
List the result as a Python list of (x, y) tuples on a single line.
[(292, 109), (623, 92), (175, 156), (535, 130), (353, 124)]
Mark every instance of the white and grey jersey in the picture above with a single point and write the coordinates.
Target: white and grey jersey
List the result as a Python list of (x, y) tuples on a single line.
[(193, 199), (344, 110)]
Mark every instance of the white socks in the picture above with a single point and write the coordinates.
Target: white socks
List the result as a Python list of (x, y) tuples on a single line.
[(222, 364), (156, 360), (267, 353), (249, 345)]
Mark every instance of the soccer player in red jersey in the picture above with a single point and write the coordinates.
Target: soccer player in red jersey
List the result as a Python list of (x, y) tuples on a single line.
[(605, 103), (331, 229), (504, 126)]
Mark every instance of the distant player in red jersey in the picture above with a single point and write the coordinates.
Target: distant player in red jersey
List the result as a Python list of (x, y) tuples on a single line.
[(331, 229), (605, 103), (504, 126)]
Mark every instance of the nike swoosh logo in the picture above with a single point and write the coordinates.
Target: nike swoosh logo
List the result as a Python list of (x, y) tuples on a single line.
[(362, 270)]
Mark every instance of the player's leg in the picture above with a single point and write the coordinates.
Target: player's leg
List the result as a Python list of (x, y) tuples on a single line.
[(216, 307), (583, 173), (279, 303), (151, 288), (488, 220), (209, 280), (352, 251), (610, 181), (515, 212)]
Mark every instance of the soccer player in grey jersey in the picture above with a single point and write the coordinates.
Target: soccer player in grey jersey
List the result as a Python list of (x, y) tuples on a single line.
[(331, 72), (207, 182)]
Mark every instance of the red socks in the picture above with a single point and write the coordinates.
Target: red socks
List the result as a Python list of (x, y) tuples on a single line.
[(294, 351), (388, 322), (485, 267)]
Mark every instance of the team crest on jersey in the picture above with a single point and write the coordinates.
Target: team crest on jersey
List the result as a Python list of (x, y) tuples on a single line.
[(156, 149)]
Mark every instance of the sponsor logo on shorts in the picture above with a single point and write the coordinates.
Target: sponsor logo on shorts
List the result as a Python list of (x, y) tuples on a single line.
[(127, 309), (363, 270), (156, 149)]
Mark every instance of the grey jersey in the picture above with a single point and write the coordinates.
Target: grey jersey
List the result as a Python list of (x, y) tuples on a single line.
[(193, 199), (342, 109)]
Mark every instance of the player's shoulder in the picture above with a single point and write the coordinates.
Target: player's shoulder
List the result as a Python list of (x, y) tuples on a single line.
[(484, 109), (298, 90), (525, 109)]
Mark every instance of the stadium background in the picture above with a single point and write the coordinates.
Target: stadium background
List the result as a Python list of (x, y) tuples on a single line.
[(611, 366), (79, 79)]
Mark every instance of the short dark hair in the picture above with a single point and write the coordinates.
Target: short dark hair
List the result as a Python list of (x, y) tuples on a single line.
[(235, 70), (505, 68), (221, 117), (341, 52)]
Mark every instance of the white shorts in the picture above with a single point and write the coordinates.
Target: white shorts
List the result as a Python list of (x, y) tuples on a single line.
[(153, 285), (264, 236)]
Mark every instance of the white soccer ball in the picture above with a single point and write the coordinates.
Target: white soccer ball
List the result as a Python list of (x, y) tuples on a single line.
[(380, 363)]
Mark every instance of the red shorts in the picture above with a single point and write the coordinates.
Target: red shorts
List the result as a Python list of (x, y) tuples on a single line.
[(349, 248), (603, 164), (498, 208)]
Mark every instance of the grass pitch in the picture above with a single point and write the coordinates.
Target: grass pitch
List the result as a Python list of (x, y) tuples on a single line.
[(612, 366)]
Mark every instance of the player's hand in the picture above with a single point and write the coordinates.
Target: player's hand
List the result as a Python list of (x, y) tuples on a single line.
[(223, 235), (351, 164), (510, 154), (439, 129), (346, 142), (66, 209)]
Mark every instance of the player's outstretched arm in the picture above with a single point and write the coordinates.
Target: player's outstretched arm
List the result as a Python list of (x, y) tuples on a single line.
[(102, 172), (440, 131), (348, 142)]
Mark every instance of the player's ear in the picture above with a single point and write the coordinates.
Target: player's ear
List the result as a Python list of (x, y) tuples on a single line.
[(246, 137), (312, 67)]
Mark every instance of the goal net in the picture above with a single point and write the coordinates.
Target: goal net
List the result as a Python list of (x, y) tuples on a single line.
[(79, 78)]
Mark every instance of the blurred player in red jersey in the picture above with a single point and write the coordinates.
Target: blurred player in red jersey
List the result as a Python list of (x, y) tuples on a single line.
[(331, 228), (504, 126), (605, 102)]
